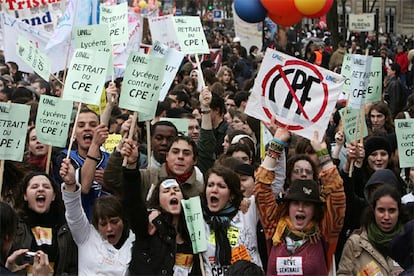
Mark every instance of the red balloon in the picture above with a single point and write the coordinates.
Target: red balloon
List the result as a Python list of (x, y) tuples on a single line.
[(323, 11), (287, 20), (279, 7)]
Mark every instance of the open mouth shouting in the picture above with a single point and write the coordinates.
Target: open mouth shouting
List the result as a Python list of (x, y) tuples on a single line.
[(214, 203), (174, 206), (87, 137)]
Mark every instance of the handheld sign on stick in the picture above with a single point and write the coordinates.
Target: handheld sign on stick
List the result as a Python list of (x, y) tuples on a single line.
[(300, 95), (191, 37), (141, 86), (52, 123), (360, 75), (13, 129), (85, 80), (195, 225)]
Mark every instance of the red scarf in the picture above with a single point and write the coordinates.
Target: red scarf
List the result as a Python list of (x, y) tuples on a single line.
[(180, 178), (39, 161)]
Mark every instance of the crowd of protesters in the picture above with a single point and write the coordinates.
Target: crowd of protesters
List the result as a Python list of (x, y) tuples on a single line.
[(305, 208)]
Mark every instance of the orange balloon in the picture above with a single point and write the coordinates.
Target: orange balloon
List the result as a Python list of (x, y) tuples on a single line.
[(307, 7), (287, 20), (323, 11), (279, 7)]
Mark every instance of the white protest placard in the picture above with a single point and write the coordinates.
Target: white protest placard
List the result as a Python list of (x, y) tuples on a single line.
[(122, 51), (404, 130), (13, 128), (39, 62), (360, 74), (86, 76), (162, 30), (44, 15), (53, 120), (142, 83), (173, 59), (13, 28), (250, 34), (300, 95), (361, 22), (116, 17), (190, 35), (374, 89)]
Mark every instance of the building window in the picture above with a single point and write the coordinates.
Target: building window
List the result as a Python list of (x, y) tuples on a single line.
[(389, 19)]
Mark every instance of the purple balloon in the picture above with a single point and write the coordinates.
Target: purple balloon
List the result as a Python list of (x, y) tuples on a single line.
[(251, 11)]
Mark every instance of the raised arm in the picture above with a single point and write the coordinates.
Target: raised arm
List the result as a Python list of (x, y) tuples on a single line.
[(94, 155), (206, 144), (131, 185), (265, 198), (75, 216), (111, 102), (113, 169), (332, 193)]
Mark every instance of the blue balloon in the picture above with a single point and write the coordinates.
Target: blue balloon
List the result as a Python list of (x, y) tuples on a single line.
[(251, 11)]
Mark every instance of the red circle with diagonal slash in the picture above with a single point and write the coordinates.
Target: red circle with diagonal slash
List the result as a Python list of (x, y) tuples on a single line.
[(295, 63)]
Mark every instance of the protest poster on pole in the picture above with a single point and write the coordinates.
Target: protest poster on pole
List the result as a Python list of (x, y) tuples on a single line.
[(39, 62), (142, 83), (86, 76), (190, 35), (173, 59), (195, 223), (299, 94), (404, 130), (53, 120), (121, 51), (162, 30), (351, 126), (94, 37), (373, 92), (116, 17), (13, 128), (360, 74)]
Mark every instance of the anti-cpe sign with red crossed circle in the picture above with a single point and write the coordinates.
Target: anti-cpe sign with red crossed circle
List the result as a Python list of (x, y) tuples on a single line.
[(296, 92)]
